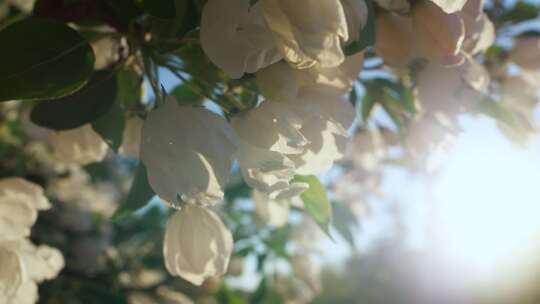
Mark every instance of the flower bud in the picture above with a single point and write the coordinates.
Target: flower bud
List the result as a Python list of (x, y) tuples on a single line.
[(197, 244), (235, 38), (188, 153), (307, 32), (81, 145)]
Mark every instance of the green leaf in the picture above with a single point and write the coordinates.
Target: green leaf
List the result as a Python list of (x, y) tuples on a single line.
[(367, 106), (83, 107), (166, 9), (110, 126), (228, 296), (185, 95), (367, 33), (344, 220), (316, 202), (139, 194), (522, 11), (42, 59), (129, 86)]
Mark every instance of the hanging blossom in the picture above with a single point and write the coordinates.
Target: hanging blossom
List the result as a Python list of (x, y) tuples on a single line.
[(22, 264), (300, 129), (274, 212), (395, 39), (81, 145), (235, 38), (197, 244), (452, 90), (188, 153), (479, 30), (438, 35), (307, 32)]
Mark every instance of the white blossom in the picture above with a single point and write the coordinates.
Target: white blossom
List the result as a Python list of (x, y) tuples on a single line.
[(235, 38), (366, 149), (81, 145), (17, 216), (526, 53), (452, 90), (438, 35), (450, 6), (356, 14), (12, 273), (395, 39), (197, 244), (131, 137), (307, 32), (272, 212), (479, 30), (188, 153), (19, 186)]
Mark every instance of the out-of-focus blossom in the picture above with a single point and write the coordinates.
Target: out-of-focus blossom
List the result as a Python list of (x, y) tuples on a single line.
[(81, 145), (236, 266), (235, 38), (107, 51), (429, 141), (438, 35), (356, 13), (169, 296), (188, 153), (308, 271), (520, 95), (197, 244), (399, 6), (366, 149), (452, 90), (17, 216), (479, 30), (294, 290), (273, 212), (68, 187), (450, 6), (395, 39), (526, 53), (307, 32), (307, 237), (131, 137), (352, 188), (12, 273), (41, 262), (32, 192)]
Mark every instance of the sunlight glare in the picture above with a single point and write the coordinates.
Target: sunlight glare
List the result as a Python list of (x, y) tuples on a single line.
[(488, 203)]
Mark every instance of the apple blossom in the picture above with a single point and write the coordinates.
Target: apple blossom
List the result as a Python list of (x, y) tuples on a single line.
[(81, 145), (438, 35), (450, 6), (526, 53), (17, 216), (188, 153), (197, 244), (395, 39), (307, 32), (235, 38), (12, 273), (19, 186), (272, 212), (479, 30)]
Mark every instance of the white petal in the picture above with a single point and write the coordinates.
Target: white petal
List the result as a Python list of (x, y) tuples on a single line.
[(17, 216), (197, 244), (81, 145), (273, 212), (12, 272), (188, 152), (19, 186), (235, 38), (450, 6)]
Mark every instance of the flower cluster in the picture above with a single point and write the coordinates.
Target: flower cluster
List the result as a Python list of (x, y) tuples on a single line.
[(22, 264)]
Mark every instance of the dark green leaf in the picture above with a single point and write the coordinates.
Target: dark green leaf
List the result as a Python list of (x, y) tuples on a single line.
[(185, 95), (138, 196), (83, 107), (316, 201), (42, 59), (367, 33), (522, 11), (129, 87), (110, 126), (228, 296), (166, 9)]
